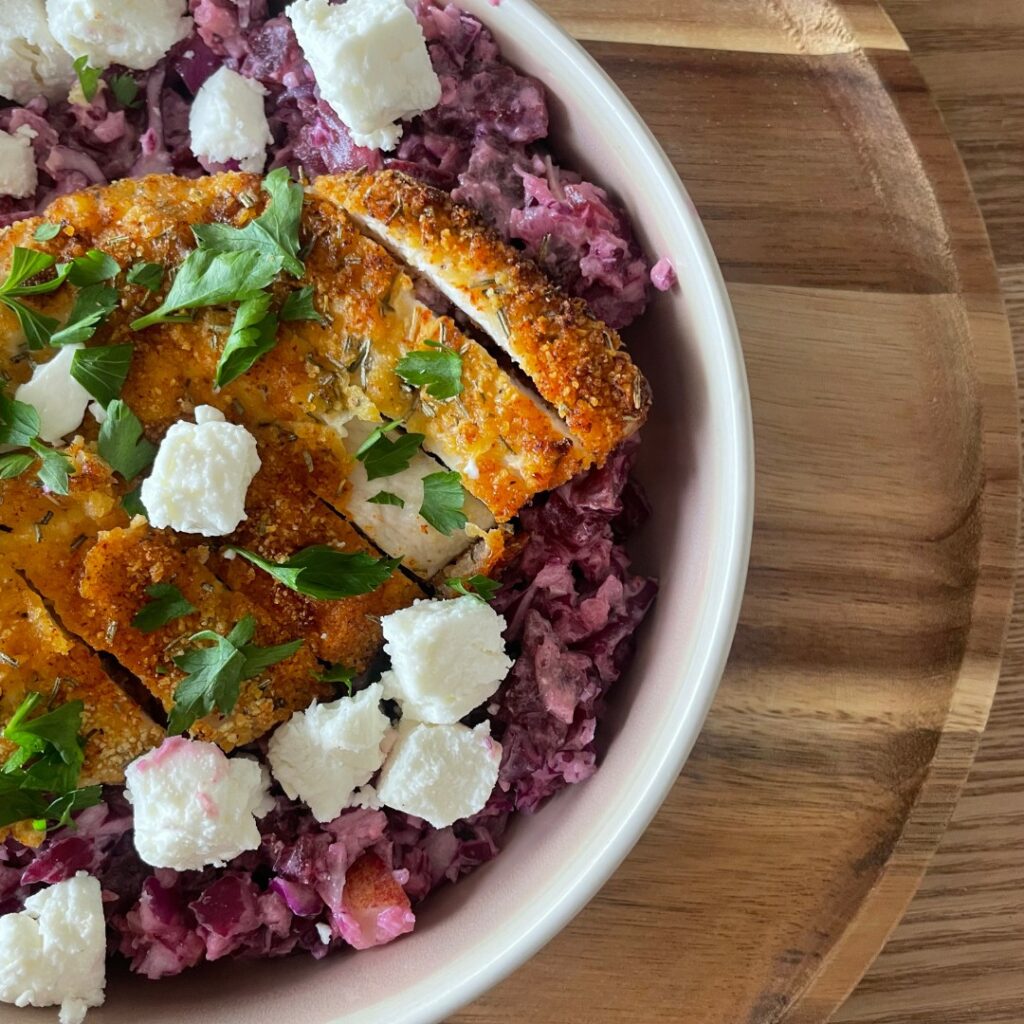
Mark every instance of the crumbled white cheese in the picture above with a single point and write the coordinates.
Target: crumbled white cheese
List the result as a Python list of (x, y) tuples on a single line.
[(447, 657), (193, 805), (440, 773), (227, 121), (32, 62), (324, 754), (324, 932), (18, 174), (200, 476), (54, 951), (371, 63), (98, 413), (135, 33), (58, 398)]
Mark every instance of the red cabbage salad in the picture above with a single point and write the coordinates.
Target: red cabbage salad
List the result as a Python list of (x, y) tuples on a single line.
[(571, 600)]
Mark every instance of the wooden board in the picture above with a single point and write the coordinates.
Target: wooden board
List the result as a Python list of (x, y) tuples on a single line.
[(884, 402)]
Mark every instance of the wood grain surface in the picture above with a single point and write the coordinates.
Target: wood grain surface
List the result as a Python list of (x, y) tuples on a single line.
[(885, 412)]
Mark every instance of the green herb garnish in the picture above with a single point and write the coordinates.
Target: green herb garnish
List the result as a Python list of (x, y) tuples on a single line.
[(132, 502), (55, 467), (338, 674), (207, 278), (125, 90), (92, 268), (102, 370), (326, 573), (93, 304), (46, 231), (88, 77), (383, 457), (438, 369), (483, 588), (13, 464), (386, 498), (39, 778), (298, 305), (253, 334), (443, 498), (147, 275), (123, 447), (214, 674), (274, 233), (168, 603), (19, 422)]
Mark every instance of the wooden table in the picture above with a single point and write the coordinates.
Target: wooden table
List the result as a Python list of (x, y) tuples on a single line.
[(957, 956)]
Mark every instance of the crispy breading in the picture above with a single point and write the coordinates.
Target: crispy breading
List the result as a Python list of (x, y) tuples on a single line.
[(115, 574), (39, 656), (576, 362)]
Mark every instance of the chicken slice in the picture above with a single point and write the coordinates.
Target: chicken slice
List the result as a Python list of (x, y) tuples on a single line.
[(115, 574), (39, 656), (576, 362)]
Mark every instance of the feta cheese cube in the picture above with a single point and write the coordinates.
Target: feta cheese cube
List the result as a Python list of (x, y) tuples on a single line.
[(440, 773), (200, 476), (324, 754), (371, 63), (195, 806), (18, 174), (227, 121), (447, 657), (54, 951), (58, 398), (135, 33), (32, 62)]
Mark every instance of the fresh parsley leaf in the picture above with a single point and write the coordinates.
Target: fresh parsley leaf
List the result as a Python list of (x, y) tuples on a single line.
[(46, 231), (326, 573), (57, 729), (208, 278), (214, 674), (39, 778), (122, 446), (93, 304), (443, 498), (19, 422), (60, 811), (438, 369), (298, 305), (274, 233), (37, 327), (92, 268), (102, 370), (27, 263), (132, 502), (125, 90), (383, 457), (168, 604), (13, 464), (386, 498), (338, 674), (88, 77), (253, 334), (55, 467), (483, 588), (147, 275)]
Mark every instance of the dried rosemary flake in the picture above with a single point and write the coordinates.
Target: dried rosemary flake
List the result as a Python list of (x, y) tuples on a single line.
[(8, 660), (503, 320), (308, 460), (78, 542), (247, 199), (111, 631)]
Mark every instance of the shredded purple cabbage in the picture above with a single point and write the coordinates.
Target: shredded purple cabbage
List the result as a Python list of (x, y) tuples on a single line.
[(570, 598)]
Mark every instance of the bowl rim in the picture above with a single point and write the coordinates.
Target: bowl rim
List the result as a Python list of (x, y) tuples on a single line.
[(725, 587)]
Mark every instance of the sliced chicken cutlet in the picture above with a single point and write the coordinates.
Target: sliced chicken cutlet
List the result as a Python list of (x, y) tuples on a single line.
[(38, 656), (507, 446), (576, 362)]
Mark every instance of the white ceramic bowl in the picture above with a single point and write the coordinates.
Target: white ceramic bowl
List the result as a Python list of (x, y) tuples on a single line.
[(697, 462)]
